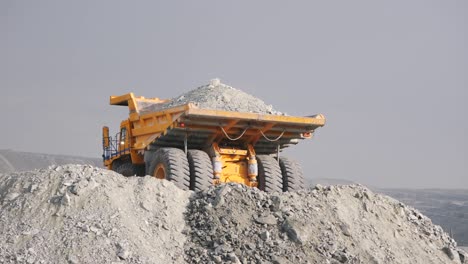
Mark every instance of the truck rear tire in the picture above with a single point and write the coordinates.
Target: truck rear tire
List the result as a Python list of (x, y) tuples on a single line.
[(171, 164), (269, 174), (201, 170), (293, 178)]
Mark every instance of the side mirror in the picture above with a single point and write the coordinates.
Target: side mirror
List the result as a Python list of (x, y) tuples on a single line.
[(105, 137)]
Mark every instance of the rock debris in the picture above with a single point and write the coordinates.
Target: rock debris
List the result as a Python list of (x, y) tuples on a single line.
[(215, 96), (83, 214)]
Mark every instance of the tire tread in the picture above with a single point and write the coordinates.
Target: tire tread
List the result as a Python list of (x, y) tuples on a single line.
[(293, 177), (176, 163), (269, 173), (201, 170)]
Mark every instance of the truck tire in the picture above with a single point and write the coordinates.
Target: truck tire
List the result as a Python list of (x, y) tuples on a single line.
[(269, 174), (293, 178), (127, 169), (171, 164), (201, 170)]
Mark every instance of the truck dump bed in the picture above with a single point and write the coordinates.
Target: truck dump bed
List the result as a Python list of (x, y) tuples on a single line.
[(199, 128), (264, 132)]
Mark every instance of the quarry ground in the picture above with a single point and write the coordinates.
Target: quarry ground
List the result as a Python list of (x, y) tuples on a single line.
[(83, 214)]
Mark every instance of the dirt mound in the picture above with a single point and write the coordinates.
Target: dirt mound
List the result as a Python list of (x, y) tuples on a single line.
[(82, 214), (216, 96)]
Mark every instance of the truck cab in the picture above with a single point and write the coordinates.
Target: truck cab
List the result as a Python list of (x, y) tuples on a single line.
[(117, 148)]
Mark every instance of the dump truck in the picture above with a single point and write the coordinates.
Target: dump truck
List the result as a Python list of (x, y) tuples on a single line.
[(196, 147)]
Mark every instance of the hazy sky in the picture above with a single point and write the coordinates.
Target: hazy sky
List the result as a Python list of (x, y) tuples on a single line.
[(390, 76)]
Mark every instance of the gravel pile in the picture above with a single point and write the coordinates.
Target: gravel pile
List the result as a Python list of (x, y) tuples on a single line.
[(215, 96), (82, 214), (345, 224)]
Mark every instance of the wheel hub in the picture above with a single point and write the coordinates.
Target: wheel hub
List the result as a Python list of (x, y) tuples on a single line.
[(160, 171)]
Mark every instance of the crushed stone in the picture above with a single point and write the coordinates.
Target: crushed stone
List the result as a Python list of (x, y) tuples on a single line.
[(83, 214), (215, 96), (336, 224)]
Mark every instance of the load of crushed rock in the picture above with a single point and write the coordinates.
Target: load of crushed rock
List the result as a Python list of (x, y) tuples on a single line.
[(215, 96), (82, 214)]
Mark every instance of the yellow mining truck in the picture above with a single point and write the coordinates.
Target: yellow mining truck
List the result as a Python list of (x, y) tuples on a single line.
[(196, 148)]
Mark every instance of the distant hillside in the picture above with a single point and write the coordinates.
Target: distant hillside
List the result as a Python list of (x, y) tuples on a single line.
[(11, 161)]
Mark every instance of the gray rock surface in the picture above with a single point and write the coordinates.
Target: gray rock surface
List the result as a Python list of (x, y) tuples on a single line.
[(446, 207), (83, 214), (334, 224), (215, 96)]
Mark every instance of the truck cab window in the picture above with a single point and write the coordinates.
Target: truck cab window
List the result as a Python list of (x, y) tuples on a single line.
[(123, 135)]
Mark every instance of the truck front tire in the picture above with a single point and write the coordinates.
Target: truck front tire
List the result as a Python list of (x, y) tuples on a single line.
[(171, 164)]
